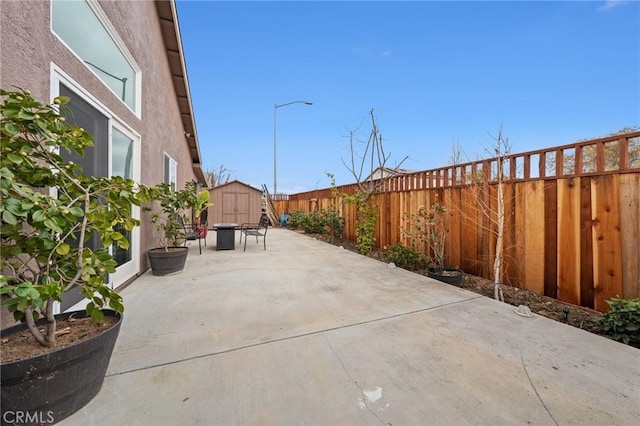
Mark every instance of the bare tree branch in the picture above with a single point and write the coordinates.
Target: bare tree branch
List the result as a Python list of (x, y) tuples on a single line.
[(216, 177)]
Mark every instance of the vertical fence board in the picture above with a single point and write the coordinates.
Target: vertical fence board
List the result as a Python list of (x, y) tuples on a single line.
[(454, 253), (349, 222), (586, 244), (402, 212), (630, 234), (512, 234), (394, 199), (385, 237), (551, 239), (389, 236), (534, 236), (607, 244), (382, 222), (485, 230), (469, 228), (568, 241), (517, 249)]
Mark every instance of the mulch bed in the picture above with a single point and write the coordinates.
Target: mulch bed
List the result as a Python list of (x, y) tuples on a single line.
[(22, 345)]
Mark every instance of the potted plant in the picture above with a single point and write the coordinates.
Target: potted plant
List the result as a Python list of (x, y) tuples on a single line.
[(170, 221), (200, 207), (428, 226), (49, 209)]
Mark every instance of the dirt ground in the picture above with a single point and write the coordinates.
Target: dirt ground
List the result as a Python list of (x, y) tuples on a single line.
[(22, 345), (573, 315)]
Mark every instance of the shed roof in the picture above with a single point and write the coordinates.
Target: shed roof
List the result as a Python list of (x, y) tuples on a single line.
[(236, 181)]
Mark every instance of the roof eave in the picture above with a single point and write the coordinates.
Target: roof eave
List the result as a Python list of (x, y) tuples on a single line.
[(170, 29)]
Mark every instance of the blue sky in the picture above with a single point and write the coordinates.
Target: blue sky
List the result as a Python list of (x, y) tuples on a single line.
[(435, 73)]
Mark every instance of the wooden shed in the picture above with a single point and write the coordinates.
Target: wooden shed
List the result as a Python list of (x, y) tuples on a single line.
[(235, 202)]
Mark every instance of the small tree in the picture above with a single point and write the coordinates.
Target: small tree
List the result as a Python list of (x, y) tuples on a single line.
[(49, 211), (428, 227), (479, 183), (169, 216), (373, 158)]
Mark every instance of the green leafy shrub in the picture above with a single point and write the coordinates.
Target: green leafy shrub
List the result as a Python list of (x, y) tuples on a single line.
[(427, 226), (407, 257), (622, 322), (312, 223), (323, 222), (365, 223), (44, 245), (295, 219), (170, 213), (333, 222)]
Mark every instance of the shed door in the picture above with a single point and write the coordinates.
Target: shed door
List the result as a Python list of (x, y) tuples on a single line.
[(235, 207)]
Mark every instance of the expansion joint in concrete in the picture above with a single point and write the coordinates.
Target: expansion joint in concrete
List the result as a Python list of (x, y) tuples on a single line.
[(297, 336)]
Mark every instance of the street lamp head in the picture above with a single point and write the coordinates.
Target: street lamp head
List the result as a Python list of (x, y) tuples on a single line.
[(276, 106)]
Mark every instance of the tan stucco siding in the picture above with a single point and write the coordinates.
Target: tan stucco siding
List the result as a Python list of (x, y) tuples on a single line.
[(28, 47)]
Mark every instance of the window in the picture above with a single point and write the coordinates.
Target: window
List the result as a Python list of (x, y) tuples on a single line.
[(122, 165), (170, 172), (115, 152), (86, 31), (122, 154)]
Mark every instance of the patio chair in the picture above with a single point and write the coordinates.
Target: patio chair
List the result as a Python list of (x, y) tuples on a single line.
[(255, 230), (194, 232)]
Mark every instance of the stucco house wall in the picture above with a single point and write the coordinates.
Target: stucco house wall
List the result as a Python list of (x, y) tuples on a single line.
[(30, 53)]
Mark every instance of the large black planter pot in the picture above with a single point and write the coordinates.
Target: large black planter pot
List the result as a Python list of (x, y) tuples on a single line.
[(167, 262), (451, 276), (50, 387)]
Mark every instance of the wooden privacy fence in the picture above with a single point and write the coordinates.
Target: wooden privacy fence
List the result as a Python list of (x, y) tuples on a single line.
[(572, 217)]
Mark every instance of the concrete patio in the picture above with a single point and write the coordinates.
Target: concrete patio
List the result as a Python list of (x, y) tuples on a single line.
[(309, 333)]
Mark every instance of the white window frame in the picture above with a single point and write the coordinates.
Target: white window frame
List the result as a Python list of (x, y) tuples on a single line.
[(60, 77), (104, 20), (172, 174)]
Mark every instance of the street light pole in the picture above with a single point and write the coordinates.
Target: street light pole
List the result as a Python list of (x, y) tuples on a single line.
[(275, 108)]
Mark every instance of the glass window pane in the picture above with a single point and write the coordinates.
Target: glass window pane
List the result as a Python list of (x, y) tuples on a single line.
[(121, 155), (170, 172), (121, 165), (79, 27), (173, 175), (167, 168)]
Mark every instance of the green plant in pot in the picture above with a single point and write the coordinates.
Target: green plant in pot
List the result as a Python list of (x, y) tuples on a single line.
[(49, 211), (202, 203), (428, 227), (171, 224)]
